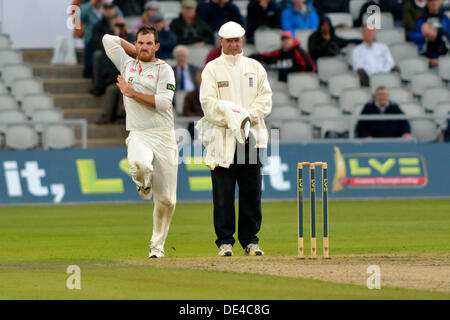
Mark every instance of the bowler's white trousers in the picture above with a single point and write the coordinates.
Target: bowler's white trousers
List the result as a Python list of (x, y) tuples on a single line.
[(153, 161)]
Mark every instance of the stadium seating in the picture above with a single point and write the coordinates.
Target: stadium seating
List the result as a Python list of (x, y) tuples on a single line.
[(32, 102), (390, 36), (411, 66), (309, 98), (171, 9), (280, 98), (301, 81), (11, 73), (350, 98), (422, 81), (58, 137), (21, 137), (303, 36), (444, 67), (403, 50), (5, 42), (329, 66), (338, 18), (7, 117), (432, 97), (22, 87), (412, 109), (267, 40), (387, 80), (424, 130), (400, 95), (355, 8), (197, 55), (8, 103), (324, 110), (340, 82), (284, 113), (53, 114), (9, 57), (296, 131), (340, 126)]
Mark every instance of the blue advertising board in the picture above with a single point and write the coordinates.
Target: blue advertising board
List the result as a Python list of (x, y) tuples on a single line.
[(355, 171)]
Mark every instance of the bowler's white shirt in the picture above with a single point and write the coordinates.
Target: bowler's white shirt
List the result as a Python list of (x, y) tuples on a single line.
[(373, 59), (151, 78)]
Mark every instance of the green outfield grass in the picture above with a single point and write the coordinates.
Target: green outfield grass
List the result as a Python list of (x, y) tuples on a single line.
[(38, 243)]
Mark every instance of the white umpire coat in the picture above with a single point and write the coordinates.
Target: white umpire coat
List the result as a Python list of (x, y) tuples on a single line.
[(226, 82)]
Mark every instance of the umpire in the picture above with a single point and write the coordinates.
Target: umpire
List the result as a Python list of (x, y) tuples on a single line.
[(237, 82)]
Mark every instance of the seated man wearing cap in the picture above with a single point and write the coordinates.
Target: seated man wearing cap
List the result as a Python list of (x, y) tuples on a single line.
[(234, 85), (290, 58), (167, 39)]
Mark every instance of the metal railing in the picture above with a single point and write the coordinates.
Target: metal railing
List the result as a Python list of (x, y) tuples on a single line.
[(74, 122), (352, 121)]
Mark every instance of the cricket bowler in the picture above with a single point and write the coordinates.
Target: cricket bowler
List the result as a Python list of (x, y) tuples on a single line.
[(148, 86)]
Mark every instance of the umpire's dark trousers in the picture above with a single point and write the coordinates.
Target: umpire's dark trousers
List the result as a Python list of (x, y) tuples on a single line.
[(249, 180)]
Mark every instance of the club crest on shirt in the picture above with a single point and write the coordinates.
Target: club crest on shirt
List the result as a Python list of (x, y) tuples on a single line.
[(250, 82), (171, 87), (130, 80), (223, 84)]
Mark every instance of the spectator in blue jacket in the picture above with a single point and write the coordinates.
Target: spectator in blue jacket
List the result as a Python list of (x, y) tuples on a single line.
[(217, 12), (301, 15), (435, 17)]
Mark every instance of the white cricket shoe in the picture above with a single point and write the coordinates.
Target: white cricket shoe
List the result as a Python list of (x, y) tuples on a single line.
[(144, 193), (156, 253), (253, 250), (226, 250)]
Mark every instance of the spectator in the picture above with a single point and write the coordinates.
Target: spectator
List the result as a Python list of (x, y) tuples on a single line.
[(412, 11), (261, 13), (435, 17), (325, 43), (90, 14), (192, 106), (113, 107), (326, 6), (371, 57), (214, 53), (150, 8), (382, 128), (217, 12), (301, 15), (184, 72), (290, 58), (130, 7), (104, 72), (437, 43), (167, 39), (189, 29)]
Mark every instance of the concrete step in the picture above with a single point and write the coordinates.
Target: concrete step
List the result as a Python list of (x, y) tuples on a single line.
[(107, 131), (45, 56), (47, 71), (77, 101), (91, 115), (69, 85), (102, 143)]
